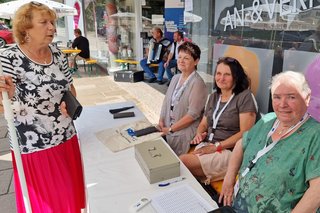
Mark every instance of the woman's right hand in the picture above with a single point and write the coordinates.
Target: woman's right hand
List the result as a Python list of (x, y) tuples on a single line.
[(7, 85), (161, 125), (199, 138)]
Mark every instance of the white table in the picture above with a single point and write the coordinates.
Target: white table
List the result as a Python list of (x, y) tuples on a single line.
[(115, 181)]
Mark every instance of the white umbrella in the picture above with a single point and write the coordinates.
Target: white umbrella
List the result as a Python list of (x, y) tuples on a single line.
[(127, 15), (190, 17), (8, 9)]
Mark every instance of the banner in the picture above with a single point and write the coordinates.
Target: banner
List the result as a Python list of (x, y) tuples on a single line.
[(173, 17)]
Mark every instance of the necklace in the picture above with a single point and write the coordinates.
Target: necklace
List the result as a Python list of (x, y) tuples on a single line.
[(38, 59), (282, 131)]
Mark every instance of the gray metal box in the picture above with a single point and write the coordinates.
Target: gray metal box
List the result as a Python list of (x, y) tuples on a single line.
[(157, 161), (128, 76)]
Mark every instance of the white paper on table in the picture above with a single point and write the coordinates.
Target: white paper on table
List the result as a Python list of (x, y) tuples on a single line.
[(179, 199), (117, 139)]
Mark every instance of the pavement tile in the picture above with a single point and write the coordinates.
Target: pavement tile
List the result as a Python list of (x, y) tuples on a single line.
[(8, 203), (4, 165), (11, 188), (4, 145), (5, 177), (3, 131)]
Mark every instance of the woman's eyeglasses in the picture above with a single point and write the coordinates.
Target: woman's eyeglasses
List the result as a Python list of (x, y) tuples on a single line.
[(35, 3), (228, 59)]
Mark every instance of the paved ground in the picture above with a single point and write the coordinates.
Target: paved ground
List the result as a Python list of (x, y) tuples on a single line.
[(94, 90)]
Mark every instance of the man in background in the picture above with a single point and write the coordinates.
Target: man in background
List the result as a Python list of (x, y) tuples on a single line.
[(155, 54), (81, 43), (173, 55)]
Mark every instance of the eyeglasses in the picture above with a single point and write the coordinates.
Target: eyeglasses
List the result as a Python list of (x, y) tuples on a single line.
[(228, 59), (35, 3)]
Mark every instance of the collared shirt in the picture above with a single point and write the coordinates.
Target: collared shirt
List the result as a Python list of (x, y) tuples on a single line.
[(175, 51)]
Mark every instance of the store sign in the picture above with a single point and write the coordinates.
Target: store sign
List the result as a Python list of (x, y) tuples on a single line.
[(174, 17), (263, 12)]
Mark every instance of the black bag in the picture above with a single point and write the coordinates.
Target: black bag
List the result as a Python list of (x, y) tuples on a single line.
[(74, 108)]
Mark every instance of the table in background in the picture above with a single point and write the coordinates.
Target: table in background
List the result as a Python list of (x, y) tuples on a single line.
[(69, 52), (127, 62), (115, 181)]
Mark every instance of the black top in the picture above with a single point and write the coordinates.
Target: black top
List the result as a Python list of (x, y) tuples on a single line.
[(82, 44)]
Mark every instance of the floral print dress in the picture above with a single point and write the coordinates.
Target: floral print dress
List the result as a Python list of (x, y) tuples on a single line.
[(36, 103)]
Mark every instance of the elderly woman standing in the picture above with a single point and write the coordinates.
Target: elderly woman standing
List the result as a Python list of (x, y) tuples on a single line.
[(279, 157), (230, 111), (184, 101), (36, 77)]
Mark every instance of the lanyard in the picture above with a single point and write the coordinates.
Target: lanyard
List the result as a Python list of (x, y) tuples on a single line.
[(266, 147), (179, 90), (216, 117)]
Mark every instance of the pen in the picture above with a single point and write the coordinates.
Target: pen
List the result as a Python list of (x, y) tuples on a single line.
[(170, 182)]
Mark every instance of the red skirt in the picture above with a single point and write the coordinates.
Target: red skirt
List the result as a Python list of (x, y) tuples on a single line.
[(54, 178)]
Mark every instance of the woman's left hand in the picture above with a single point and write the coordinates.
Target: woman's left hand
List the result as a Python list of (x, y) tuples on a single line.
[(6, 85), (206, 150), (63, 109), (226, 195)]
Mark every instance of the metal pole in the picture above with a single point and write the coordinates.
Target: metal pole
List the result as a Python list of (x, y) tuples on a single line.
[(138, 39), (8, 114)]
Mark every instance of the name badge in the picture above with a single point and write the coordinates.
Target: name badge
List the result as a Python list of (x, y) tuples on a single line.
[(236, 188), (211, 137)]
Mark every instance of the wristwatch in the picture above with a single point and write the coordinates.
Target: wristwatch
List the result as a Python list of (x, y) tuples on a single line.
[(217, 144), (170, 130)]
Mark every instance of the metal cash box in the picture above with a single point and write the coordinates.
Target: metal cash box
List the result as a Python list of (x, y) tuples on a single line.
[(157, 161), (128, 76)]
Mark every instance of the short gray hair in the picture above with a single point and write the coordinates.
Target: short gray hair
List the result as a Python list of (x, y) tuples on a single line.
[(291, 78)]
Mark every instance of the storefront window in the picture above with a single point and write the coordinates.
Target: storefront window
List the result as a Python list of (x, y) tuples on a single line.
[(267, 37), (111, 29)]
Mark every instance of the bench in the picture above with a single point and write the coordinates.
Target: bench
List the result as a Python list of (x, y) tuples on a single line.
[(127, 62), (90, 62)]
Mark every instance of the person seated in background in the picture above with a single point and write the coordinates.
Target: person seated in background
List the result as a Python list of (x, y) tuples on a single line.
[(81, 43), (278, 159), (156, 55), (173, 55), (230, 111), (184, 102)]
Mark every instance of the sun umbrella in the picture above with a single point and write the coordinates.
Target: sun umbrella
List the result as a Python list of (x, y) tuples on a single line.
[(127, 15), (8, 9), (190, 17)]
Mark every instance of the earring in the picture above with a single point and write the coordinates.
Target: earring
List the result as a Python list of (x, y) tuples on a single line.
[(27, 38)]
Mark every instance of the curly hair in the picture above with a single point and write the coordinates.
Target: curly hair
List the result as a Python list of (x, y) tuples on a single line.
[(22, 20)]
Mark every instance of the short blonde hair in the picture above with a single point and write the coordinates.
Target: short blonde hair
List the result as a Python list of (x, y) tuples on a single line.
[(22, 20), (294, 79)]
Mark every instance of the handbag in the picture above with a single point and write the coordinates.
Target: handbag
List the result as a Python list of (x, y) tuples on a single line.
[(74, 108)]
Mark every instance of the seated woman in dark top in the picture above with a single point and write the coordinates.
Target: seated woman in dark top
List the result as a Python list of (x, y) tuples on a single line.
[(230, 111)]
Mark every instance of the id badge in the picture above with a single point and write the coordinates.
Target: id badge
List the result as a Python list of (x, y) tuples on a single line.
[(211, 136), (236, 188)]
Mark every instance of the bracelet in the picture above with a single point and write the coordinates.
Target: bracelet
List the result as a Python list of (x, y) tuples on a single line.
[(219, 148)]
